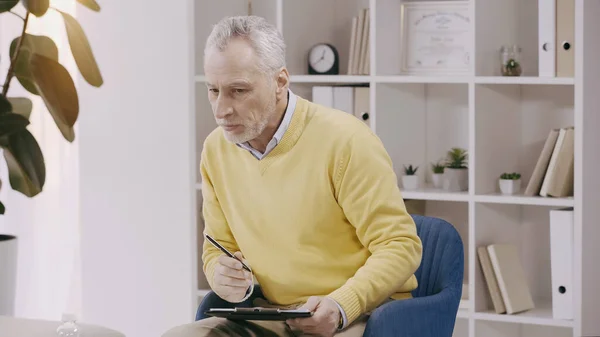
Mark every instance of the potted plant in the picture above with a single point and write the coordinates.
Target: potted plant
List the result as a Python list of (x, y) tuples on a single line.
[(437, 174), (410, 181), (510, 183), (456, 173), (34, 62)]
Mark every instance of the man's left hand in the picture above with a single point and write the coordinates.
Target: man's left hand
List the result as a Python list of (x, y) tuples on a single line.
[(324, 321)]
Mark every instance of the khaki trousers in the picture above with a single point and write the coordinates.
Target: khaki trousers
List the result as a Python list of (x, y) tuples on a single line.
[(221, 327)]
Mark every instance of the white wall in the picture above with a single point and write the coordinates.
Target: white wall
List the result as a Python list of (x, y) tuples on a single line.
[(136, 187)]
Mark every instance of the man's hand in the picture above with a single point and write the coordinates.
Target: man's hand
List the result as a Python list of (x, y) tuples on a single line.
[(324, 321), (231, 281)]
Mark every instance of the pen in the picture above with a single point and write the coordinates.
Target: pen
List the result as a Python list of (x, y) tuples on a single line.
[(224, 250)]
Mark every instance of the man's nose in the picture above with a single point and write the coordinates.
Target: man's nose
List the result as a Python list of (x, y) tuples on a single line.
[(223, 108)]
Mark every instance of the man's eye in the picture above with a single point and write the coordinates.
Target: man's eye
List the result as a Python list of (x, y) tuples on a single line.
[(239, 91), (214, 91)]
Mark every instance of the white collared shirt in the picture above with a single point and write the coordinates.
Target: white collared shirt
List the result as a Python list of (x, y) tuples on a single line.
[(285, 123)]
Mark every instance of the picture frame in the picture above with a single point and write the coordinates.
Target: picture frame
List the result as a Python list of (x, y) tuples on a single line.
[(436, 38)]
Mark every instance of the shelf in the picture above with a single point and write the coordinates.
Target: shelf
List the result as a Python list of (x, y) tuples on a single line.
[(503, 122), (497, 198), (423, 79), (342, 79), (430, 193), (542, 315), (331, 79), (523, 80)]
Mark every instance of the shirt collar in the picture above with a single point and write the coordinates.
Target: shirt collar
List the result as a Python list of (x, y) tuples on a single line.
[(283, 126)]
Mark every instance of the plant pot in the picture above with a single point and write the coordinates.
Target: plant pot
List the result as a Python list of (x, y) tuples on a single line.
[(410, 182), (438, 180), (509, 186), (456, 179), (8, 274)]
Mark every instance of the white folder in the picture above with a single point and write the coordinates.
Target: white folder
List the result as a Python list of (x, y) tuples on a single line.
[(323, 95), (561, 262), (547, 38)]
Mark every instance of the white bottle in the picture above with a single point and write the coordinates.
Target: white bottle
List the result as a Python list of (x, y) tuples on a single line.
[(69, 327)]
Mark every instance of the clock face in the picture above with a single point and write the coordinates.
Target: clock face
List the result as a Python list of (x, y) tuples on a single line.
[(321, 58)]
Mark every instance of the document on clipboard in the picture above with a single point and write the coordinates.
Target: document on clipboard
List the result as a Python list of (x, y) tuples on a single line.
[(258, 313)]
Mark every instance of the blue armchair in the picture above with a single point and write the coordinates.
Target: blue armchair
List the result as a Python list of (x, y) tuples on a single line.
[(432, 310)]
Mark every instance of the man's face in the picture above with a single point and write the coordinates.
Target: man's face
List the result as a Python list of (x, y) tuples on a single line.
[(242, 98)]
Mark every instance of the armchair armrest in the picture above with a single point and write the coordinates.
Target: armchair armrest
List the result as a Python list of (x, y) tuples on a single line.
[(428, 316)]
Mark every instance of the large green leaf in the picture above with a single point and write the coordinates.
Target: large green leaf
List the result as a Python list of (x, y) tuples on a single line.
[(25, 161), (82, 52), (91, 4), (5, 105), (6, 5), (38, 44), (57, 89), (36, 7), (21, 106), (12, 123)]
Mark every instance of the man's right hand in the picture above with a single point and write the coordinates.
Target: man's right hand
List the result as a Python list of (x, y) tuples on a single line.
[(231, 281)]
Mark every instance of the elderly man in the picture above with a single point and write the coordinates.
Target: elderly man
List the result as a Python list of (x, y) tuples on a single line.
[(306, 195)]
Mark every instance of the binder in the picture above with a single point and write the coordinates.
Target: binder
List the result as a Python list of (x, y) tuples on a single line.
[(343, 98), (362, 104), (565, 36), (323, 95), (547, 38), (561, 262)]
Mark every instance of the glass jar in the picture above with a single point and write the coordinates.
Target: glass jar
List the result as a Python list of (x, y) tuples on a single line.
[(510, 58)]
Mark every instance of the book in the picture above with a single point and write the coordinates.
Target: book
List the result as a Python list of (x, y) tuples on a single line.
[(510, 276)]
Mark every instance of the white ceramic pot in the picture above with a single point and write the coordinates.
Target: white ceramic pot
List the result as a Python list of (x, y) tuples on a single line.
[(8, 274), (410, 182), (438, 180), (456, 179), (509, 186)]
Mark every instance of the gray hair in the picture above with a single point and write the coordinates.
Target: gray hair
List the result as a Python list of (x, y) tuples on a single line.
[(265, 38)]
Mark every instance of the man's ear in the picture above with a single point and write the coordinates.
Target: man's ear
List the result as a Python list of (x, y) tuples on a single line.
[(283, 83)]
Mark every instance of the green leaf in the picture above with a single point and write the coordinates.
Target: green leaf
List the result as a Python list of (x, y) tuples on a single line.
[(21, 106), (25, 161), (6, 5), (37, 7), (2, 208), (57, 89), (5, 106), (91, 4), (38, 44), (12, 123), (82, 52)]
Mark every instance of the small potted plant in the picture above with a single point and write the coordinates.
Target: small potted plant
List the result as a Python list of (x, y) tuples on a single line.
[(510, 183), (437, 175), (410, 180), (456, 173)]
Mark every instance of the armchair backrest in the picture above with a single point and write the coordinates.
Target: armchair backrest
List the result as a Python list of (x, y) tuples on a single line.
[(442, 263)]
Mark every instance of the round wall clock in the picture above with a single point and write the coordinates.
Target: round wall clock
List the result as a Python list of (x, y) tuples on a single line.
[(323, 59)]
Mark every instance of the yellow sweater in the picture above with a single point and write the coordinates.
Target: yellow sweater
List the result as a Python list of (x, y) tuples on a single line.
[(320, 215)]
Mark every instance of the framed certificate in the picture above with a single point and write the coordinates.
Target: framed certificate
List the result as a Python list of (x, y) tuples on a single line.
[(436, 37)]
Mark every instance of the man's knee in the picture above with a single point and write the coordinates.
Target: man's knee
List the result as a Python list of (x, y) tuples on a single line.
[(203, 328)]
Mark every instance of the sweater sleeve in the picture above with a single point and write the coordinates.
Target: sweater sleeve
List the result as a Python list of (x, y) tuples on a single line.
[(215, 225), (366, 189)]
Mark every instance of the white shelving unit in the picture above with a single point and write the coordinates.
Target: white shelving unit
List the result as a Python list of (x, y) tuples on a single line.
[(501, 121)]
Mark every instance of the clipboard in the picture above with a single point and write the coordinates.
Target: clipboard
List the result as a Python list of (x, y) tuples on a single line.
[(258, 313)]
